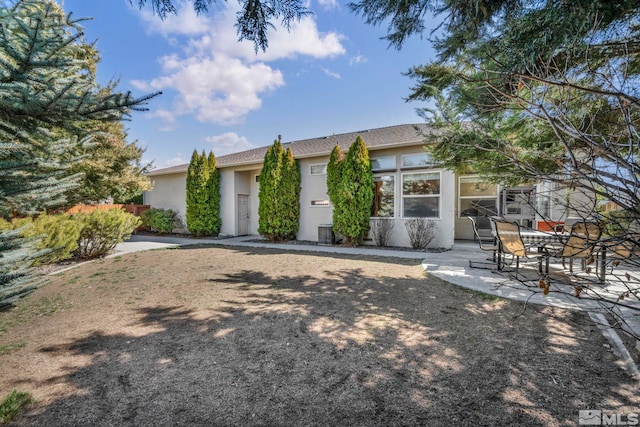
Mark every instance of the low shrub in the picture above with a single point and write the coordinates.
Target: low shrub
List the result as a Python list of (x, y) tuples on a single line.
[(59, 233), (421, 232), (103, 230), (161, 220), (381, 230)]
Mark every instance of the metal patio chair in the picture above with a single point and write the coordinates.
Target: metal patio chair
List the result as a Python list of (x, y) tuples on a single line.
[(582, 244), (510, 243), (485, 246)]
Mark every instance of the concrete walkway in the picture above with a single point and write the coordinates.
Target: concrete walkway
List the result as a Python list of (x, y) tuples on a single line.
[(452, 266)]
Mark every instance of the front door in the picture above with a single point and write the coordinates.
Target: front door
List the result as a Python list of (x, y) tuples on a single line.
[(243, 214)]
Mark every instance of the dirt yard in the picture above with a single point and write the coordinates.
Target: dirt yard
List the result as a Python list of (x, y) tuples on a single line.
[(234, 337)]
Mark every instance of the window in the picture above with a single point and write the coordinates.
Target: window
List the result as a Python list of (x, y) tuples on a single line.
[(476, 197), (318, 169), (417, 160), (383, 196), (383, 163), (421, 195), (319, 203)]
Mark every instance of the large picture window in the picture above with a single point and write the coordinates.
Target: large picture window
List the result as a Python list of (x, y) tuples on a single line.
[(476, 197), (421, 195), (383, 196)]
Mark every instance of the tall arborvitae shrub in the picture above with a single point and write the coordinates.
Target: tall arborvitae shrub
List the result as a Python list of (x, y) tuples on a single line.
[(279, 195), (213, 195), (197, 208), (290, 192), (334, 179), (355, 194)]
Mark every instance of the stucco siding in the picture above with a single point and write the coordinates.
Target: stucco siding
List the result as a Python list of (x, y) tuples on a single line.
[(169, 192), (313, 190)]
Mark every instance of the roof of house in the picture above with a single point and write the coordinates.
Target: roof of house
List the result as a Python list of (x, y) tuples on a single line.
[(391, 136)]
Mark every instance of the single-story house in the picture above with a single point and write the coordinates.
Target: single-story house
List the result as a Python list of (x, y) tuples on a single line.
[(408, 185)]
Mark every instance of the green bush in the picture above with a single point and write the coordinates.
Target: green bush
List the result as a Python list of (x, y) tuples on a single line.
[(279, 195), (161, 220), (103, 230), (60, 233)]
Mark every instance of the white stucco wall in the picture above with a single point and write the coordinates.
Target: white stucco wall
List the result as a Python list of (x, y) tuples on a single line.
[(169, 192), (313, 188)]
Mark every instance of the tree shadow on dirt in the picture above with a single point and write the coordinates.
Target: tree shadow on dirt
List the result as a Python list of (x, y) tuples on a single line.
[(341, 348)]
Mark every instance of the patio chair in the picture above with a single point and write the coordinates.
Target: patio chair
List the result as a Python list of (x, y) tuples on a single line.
[(489, 247), (622, 249), (511, 243), (582, 244)]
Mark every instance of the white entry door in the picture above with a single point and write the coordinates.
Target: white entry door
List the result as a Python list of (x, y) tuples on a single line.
[(243, 214)]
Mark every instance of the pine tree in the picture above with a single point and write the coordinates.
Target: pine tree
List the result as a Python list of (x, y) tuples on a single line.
[(355, 194), (44, 89), (213, 195)]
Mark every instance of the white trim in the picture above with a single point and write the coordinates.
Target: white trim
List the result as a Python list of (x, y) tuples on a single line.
[(324, 172), (439, 195), (390, 168), (393, 175), (429, 161), (476, 178)]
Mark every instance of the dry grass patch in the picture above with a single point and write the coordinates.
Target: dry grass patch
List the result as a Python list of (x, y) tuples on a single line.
[(224, 336)]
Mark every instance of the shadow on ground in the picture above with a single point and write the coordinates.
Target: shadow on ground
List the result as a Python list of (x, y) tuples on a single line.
[(351, 341)]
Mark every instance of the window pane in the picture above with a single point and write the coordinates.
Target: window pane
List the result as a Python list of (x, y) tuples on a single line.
[(421, 207), (474, 187), (318, 169), (383, 163), (383, 196), (478, 207), (416, 160), (420, 184)]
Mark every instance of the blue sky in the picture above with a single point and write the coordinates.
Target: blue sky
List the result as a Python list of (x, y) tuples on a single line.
[(330, 74)]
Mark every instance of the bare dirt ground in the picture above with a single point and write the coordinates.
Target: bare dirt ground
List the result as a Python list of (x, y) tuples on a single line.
[(230, 337)]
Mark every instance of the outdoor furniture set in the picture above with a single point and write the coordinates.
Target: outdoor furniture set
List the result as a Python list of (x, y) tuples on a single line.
[(582, 241)]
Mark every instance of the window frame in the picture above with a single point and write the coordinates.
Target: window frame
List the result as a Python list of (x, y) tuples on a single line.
[(403, 196), (325, 203), (475, 178), (428, 164), (324, 172), (384, 169), (395, 190)]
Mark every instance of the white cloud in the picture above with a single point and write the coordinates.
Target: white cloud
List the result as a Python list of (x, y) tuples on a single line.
[(358, 59), (184, 22), (177, 160), (228, 143), (330, 73), (328, 4), (220, 80)]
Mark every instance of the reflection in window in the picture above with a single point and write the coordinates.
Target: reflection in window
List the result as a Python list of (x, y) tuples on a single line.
[(421, 195), (383, 196), (318, 169), (416, 160), (383, 163), (476, 197)]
